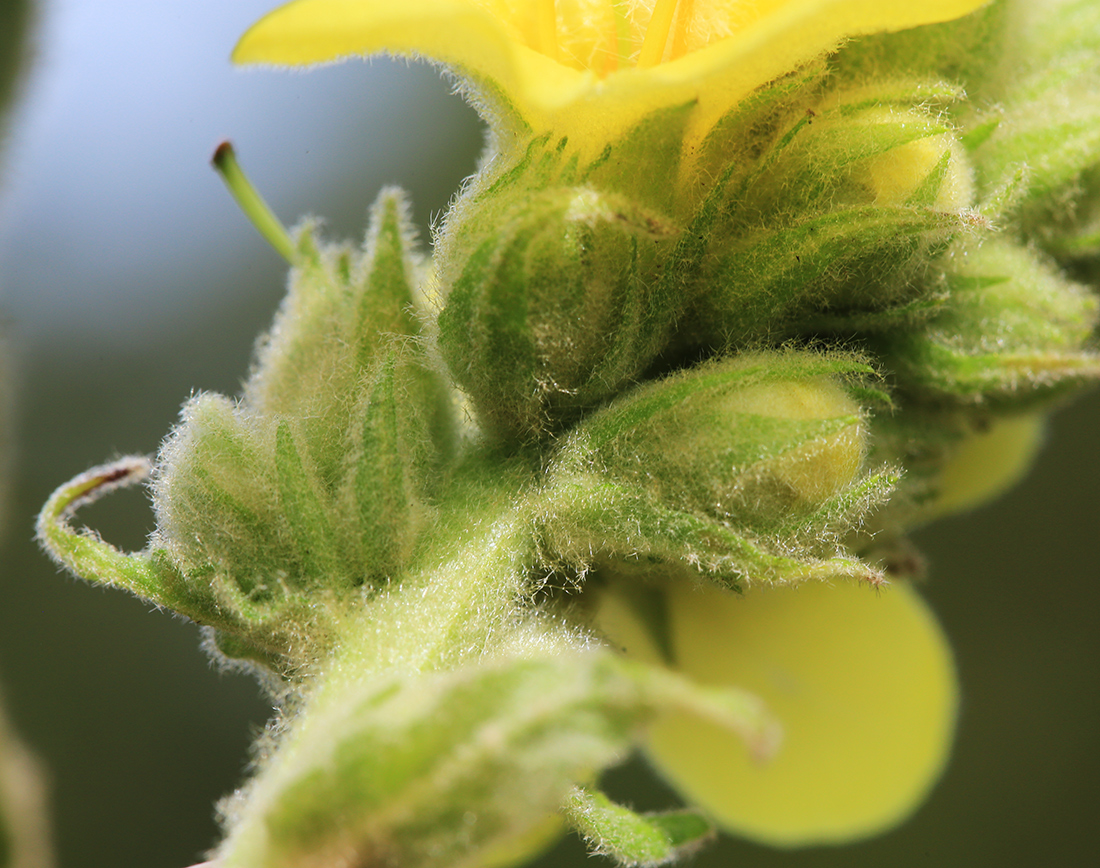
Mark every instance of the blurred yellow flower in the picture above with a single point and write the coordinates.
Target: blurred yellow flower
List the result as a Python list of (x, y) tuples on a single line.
[(588, 69), (862, 682)]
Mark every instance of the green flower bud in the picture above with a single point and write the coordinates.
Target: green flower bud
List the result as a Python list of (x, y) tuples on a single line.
[(547, 268), (1012, 330), (555, 311), (344, 312), (745, 468), (742, 440), (840, 213)]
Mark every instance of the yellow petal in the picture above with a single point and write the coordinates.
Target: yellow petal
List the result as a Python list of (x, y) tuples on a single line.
[(749, 45), (461, 35), (987, 464), (863, 684), (781, 36)]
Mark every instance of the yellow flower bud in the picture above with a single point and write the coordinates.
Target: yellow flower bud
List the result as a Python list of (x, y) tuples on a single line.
[(897, 176), (823, 467)]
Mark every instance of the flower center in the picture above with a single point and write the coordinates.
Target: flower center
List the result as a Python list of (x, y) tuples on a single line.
[(607, 35)]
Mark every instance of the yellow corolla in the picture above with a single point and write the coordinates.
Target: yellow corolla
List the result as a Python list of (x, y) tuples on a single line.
[(588, 69), (861, 681)]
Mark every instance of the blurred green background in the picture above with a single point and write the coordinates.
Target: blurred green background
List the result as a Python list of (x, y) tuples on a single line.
[(128, 280)]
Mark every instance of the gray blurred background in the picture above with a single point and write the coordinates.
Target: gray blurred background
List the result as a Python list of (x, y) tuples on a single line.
[(128, 279)]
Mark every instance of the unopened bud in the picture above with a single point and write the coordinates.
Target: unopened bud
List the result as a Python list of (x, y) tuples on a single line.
[(841, 213), (554, 310), (1012, 329), (751, 440), (742, 470)]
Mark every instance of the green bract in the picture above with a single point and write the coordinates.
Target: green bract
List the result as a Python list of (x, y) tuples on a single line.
[(649, 383)]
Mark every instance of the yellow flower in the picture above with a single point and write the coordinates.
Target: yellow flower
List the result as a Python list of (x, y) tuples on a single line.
[(588, 69), (862, 682)]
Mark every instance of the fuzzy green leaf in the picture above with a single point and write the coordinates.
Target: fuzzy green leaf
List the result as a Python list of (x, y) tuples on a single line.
[(437, 769)]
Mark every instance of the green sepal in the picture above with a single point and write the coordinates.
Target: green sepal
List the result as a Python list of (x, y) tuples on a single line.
[(965, 49), (309, 529), (637, 166), (1013, 331), (922, 438), (860, 261), (927, 192), (748, 130), (635, 840), (640, 165), (392, 472), (590, 522), (907, 315)]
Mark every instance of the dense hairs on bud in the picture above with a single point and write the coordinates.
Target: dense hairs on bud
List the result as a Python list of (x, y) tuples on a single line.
[(743, 469), (555, 312), (1011, 331)]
